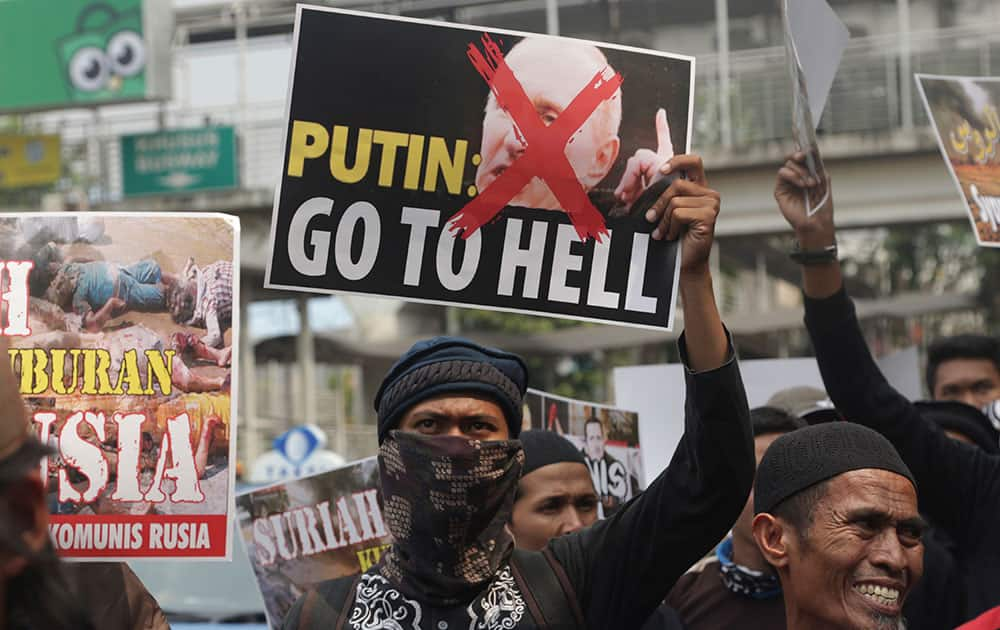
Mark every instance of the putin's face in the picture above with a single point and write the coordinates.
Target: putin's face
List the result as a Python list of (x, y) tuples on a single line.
[(552, 73)]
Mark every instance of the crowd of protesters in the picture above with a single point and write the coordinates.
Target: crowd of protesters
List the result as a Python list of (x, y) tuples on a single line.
[(865, 510)]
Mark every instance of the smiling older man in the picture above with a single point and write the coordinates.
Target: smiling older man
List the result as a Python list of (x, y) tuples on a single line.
[(836, 515)]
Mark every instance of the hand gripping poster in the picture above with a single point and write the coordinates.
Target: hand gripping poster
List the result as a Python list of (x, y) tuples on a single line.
[(460, 165), (302, 532), (607, 436), (964, 113), (121, 330)]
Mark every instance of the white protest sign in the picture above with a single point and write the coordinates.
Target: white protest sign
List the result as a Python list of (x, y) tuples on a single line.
[(815, 40), (819, 39), (657, 392)]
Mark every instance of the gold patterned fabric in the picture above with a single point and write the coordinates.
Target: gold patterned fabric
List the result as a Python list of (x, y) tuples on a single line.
[(447, 502)]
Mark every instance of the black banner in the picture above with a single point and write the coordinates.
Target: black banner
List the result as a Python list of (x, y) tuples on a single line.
[(434, 162)]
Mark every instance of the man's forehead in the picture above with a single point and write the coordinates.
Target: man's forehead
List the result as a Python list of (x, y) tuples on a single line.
[(557, 479), (554, 67), (456, 403), (874, 488), (967, 369)]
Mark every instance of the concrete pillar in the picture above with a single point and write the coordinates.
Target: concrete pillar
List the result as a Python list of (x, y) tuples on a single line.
[(725, 104), (306, 355), (552, 17), (249, 432), (905, 65), (762, 303)]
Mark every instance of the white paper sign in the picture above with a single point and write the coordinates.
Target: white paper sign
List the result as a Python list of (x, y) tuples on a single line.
[(657, 393), (819, 39)]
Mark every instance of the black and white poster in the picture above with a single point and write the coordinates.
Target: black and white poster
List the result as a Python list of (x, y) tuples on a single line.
[(461, 165)]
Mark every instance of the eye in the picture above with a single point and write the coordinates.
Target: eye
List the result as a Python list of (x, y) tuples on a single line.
[(88, 69), (910, 535), (949, 392), (867, 527), (587, 505), (483, 427), (550, 507), (127, 53)]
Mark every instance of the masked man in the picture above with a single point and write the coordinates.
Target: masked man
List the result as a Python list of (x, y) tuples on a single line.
[(449, 413)]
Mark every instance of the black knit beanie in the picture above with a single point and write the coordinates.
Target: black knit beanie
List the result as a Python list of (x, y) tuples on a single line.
[(962, 418), (816, 453), (451, 365), (542, 448)]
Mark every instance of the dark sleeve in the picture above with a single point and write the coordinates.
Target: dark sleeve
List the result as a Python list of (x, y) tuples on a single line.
[(115, 596), (958, 484), (623, 567)]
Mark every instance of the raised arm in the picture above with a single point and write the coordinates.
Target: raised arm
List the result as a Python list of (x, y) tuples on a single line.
[(623, 567), (860, 391)]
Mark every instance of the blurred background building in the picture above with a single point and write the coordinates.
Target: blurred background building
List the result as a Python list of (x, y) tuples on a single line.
[(911, 257)]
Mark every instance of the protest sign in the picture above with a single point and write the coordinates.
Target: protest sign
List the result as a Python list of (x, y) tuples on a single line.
[(815, 40), (302, 532), (963, 112), (121, 329), (657, 393), (607, 436), (459, 165)]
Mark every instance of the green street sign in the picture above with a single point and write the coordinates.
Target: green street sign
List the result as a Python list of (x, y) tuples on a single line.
[(83, 53), (183, 160)]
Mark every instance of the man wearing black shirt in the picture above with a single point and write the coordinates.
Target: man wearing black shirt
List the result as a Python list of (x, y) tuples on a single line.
[(959, 483), (448, 411)]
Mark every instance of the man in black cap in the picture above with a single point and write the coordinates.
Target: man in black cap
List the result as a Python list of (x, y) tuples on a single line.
[(836, 515), (555, 495), (959, 484), (449, 413)]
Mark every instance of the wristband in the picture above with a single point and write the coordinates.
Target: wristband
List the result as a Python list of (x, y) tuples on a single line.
[(811, 257)]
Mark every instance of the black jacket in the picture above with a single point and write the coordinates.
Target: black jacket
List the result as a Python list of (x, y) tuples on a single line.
[(620, 569), (958, 484)]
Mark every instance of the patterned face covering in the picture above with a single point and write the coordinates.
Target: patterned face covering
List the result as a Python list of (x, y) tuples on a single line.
[(447, 501)]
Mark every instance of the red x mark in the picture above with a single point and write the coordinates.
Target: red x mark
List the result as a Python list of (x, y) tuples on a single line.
[(545, 153)]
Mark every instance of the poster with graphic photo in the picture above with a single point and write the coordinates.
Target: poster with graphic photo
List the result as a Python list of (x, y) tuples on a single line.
[(607, 436), (302, 532), (467, 166), (121, 330), (964, 114)]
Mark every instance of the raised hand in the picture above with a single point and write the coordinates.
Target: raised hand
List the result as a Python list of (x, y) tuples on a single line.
[(793, 184), (687, 210)]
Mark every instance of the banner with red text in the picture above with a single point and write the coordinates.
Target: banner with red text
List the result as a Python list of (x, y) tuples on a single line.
[(300, 533), (478, 167), (122, 330), (607, 436)]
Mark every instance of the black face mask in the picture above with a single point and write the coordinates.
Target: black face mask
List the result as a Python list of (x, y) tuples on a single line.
[(447, 501)]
